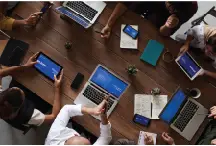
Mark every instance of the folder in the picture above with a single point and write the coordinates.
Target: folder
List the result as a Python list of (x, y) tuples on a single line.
[(152, 52)]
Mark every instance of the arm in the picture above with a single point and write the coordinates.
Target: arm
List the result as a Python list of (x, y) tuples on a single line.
[(210, 74), (186, 45), (57, 101)]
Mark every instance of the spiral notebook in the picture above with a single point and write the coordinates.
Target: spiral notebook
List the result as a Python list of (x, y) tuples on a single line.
[(141, 137)]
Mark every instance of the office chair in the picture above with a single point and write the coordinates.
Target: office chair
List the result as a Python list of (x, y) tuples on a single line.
[(197, 21)]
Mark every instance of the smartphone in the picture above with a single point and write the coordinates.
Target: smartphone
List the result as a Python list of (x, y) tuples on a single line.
[(141, 120), (77, 81), (46, 7), (129, 30)]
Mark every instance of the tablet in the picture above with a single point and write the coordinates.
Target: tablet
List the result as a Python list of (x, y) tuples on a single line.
[(47, 66), (190, 67)]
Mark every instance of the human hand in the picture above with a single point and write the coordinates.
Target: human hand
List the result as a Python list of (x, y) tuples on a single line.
[(212, 112), (148, 140), (106, 31), (58, 80), (183, 49), (32, 19), (169, 140), (100, 109), (32, 60), (172, 21), (202, 72), (213, 142)]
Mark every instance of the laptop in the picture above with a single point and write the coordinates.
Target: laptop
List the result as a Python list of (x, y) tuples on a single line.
[(189, 66), (183, 114), (102, 82), (84, 12)]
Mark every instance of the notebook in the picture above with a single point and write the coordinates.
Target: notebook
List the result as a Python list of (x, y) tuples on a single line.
[(152, 52), (141, 137), (126, 41), (148, 105)]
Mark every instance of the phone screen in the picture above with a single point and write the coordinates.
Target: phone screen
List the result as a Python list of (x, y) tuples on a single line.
[(131, 31), (45, 8), (141, 120)]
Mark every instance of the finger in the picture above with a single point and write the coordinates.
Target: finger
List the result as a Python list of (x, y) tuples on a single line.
[(37, 13), (55, 78), (212, 108), (61, 75), (34, 63), (211, 115)]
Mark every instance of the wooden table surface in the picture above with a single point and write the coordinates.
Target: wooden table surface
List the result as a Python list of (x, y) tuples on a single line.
[(89, 50)]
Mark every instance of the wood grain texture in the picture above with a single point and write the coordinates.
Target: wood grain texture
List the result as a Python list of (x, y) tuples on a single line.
[(89, 50)]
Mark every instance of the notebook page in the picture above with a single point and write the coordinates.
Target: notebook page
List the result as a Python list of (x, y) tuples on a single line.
[(142, 105), (158, 103), (141, 137)]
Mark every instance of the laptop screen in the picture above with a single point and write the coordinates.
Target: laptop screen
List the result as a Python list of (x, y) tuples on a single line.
[(189, 65), (173, 106), (109, 82)]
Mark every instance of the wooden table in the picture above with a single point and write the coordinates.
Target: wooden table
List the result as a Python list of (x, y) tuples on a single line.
[(89, 50)]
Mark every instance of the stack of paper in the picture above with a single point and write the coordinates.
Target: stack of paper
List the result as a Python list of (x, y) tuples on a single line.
[(141, 137), (148, 105)]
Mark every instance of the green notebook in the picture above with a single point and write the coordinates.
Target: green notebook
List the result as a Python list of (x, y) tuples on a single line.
[(152, 52)]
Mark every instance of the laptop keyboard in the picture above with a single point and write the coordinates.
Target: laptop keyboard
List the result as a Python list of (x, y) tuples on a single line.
[(186, 115), (96, 96), (83, 9)]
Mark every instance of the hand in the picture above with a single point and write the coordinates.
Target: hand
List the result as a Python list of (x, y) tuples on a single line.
[(212, 112), (213, 142), (172, 21), (169, 140), (58, 80), (32, 60), (202, 73), (148, 140), (32, 19), (105, 32), (100, 109), (183, 49)]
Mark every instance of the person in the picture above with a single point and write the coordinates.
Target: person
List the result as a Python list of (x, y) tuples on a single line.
[(167, 16), (59, 134), (16, 109), (8, 23), (201, 37), (148, 140)]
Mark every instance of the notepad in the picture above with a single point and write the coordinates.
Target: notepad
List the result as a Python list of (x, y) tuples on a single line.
[(148, 105), (141, 137), (152, 52)]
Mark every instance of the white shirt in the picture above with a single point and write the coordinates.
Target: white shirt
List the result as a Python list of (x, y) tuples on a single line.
[(59, 133)]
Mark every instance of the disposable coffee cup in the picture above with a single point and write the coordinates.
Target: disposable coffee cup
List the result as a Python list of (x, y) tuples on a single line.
[(195, 93)]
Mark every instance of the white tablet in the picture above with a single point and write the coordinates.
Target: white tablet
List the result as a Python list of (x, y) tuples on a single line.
[(190, 67)]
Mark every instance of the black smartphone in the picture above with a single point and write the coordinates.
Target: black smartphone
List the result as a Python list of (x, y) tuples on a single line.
[(77, 81), (129, 30), (46, 7), (141, 120)]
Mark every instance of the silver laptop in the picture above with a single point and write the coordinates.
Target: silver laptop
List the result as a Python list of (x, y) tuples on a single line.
[(183, 114), (102, 82), (85, 12)]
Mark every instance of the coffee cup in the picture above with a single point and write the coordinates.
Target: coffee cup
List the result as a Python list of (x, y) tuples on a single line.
[(195, 93)]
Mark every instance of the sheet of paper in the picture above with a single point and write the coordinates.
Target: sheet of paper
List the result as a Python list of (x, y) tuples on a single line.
[(141, 137), (142, 105), (126, 41), (158, 103)]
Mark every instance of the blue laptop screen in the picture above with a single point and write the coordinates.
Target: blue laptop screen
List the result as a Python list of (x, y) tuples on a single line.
[(173, 106), (188, 64), (109, 82)]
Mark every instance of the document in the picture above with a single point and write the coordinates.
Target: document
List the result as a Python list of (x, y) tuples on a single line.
[(141, 137), (148, 105), (126, 41)]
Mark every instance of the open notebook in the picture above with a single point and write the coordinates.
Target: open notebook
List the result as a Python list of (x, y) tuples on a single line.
[(148, 105), (141, 137)]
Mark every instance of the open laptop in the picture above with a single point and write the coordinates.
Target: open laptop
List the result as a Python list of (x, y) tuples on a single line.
[(84, 12), (102, 82), (183, 114), (190, 67)]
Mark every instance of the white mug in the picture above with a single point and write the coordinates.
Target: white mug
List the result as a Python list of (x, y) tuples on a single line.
[(196, 91)]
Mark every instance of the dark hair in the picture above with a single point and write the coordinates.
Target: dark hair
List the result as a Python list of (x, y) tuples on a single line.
[(179, 6), (212, 42), (10, 101)]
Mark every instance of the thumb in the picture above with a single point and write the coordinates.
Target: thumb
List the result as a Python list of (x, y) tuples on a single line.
[(55, 78)]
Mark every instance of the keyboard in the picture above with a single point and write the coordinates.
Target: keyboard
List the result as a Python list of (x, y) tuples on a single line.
[(80, 20), (82, 9), (186, 115), (95, 96)]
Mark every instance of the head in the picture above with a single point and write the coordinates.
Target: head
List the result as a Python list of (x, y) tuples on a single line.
[(77, 140), (176, 6), (11, 101), (210, 47)]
